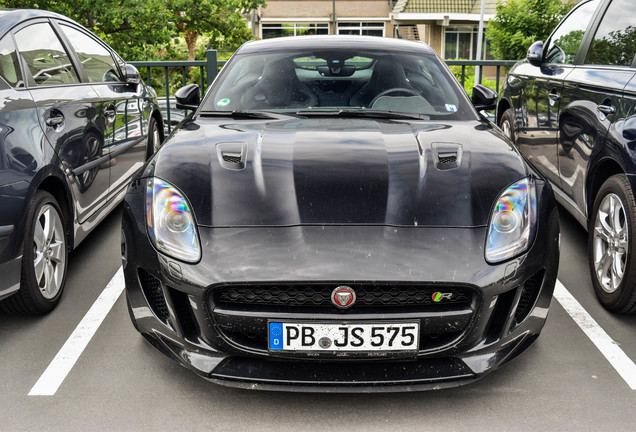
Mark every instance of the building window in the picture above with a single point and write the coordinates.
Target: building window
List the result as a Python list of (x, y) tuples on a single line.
[(361, 28), (460, 42), (274, 30)]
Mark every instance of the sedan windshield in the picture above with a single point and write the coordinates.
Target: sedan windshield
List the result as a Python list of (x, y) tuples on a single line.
[(339, 82)]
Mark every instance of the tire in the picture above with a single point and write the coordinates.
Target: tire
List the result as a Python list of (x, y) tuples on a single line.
[(44, 259), (612, 245), (126, 236), (507, 124), (154, 138)]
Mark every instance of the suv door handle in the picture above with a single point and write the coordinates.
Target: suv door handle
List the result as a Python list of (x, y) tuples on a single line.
[(606, 109)]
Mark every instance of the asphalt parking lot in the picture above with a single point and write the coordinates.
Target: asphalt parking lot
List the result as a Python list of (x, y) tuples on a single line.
[(579, 375)]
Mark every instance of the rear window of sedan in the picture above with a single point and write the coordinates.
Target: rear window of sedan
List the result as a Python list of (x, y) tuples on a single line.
[(291, 81)]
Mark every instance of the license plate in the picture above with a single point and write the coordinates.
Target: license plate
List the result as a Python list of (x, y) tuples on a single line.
[(355, 337)]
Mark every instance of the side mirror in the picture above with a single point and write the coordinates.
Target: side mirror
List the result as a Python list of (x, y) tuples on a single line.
[(188, 97), (484, 98), (629, 128), (132, 75), (535, 53)]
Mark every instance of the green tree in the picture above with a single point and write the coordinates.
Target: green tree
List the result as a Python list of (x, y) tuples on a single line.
[(137, 29), (518, 23), (146, 29), (221, 20)]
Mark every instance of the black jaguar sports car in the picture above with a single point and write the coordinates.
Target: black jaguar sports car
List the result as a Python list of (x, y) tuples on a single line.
[(335, 215)]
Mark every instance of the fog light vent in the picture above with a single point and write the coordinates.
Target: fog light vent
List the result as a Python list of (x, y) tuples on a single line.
[(529, 294), (500, 315), (151, 286)]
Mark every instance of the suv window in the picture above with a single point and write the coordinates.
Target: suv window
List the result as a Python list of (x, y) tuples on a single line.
[(45, 56), (95, 58), (9, 65), (566, 39), (615, 39)]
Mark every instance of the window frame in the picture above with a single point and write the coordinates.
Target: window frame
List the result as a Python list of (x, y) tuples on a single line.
[(70, 51), (9, 35), (589, 33), (600, 19), (299, 25), (374, 25), (58, 25), (474, 35), (26, 71)]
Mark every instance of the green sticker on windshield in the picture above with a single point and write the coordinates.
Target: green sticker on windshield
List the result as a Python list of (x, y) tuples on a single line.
[(223, 102)]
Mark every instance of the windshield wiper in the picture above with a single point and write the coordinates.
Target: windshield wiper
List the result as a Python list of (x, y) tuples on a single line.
[(362, 113), (242, 114)]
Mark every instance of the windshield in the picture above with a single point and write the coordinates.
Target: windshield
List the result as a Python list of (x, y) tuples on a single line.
[(338, 80)]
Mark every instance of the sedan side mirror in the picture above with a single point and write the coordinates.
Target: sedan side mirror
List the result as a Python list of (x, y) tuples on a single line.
[(132, 75), (535, 53), (188, 97), (484, 98)]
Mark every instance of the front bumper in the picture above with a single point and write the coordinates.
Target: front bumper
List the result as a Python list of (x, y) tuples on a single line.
[(176, 307)]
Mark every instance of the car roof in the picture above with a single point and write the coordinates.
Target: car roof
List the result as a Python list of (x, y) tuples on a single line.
[(334, 42), (11, 17)]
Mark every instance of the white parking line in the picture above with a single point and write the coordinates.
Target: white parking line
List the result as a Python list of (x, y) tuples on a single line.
[(65, 359), (610, 349)]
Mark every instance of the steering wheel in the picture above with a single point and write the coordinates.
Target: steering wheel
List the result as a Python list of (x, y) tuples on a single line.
[(394, 90)]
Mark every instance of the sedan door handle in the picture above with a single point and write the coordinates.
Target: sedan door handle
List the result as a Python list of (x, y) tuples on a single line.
[(54, 121)]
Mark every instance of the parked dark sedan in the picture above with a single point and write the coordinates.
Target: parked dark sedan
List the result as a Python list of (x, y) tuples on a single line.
[(571, 108), (335, 216), (75, 124)]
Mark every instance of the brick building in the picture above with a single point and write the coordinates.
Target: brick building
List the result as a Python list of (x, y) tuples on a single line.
[(448, 26)]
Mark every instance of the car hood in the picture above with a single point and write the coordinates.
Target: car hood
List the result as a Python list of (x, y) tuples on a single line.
[(324, 171)]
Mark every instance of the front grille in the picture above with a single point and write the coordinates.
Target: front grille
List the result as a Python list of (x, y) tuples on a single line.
[(319, 295), (241, 311)]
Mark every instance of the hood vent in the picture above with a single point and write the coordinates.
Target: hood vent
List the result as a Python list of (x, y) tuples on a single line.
[(232, 155), (447, 156)]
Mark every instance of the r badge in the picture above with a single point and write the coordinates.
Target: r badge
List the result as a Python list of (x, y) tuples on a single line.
[(343, 297)]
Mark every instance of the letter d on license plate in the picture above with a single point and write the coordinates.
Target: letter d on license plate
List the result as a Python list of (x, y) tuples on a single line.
[(402, 336)]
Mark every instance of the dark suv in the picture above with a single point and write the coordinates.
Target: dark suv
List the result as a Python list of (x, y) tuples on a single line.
[(75, 124), (571, 109)]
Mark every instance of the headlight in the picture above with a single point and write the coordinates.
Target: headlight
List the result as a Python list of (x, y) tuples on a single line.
[(170, 221), (512, 222)]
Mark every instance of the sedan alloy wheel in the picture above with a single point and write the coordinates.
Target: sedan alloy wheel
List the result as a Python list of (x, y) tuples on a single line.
[(48, 249), (45, 255)]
